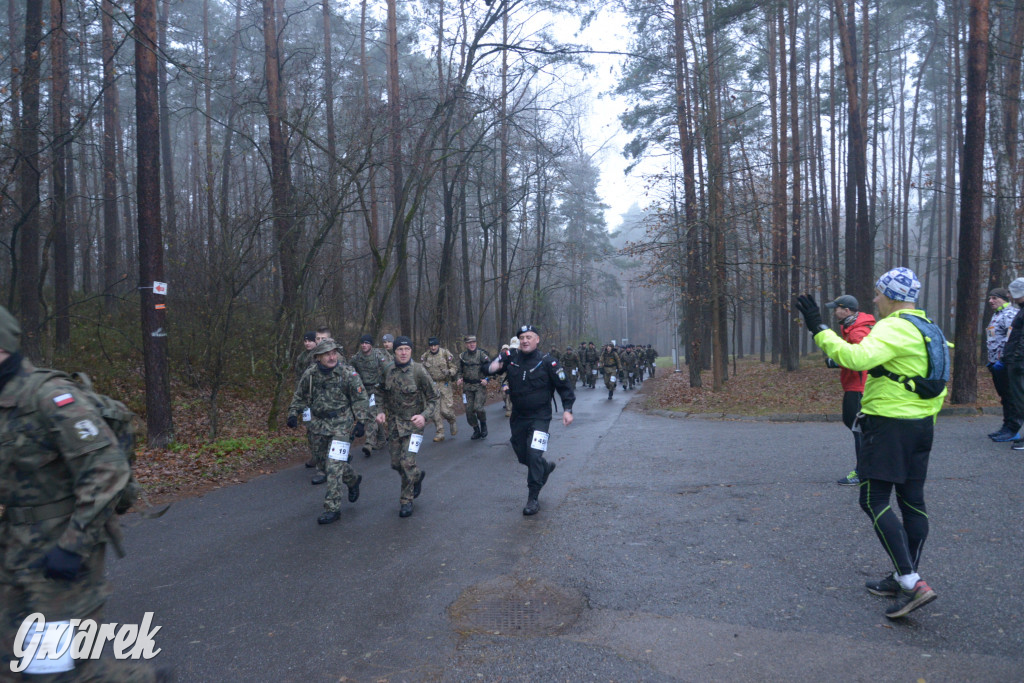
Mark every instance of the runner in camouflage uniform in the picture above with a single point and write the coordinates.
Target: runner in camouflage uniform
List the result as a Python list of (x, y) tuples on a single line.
[(442, 368), (371, 364), (337, 401), (409, 397), (592, 361), (61, 476), (571, 364), (611, 366), (474, 385)]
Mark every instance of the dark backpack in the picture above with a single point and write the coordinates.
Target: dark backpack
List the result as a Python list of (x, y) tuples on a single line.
[(119, 417), (932, 384)]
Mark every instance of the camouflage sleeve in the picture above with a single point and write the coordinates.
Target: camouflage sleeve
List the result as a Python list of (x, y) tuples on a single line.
[(358, 398), (429, 390), (90, 451), (453, 367), (300, 399)]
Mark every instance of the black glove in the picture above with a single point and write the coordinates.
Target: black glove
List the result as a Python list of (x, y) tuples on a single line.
[(808, 307), (331, 415), (829, 363), (60, 564), (358, 430), (293, 422)]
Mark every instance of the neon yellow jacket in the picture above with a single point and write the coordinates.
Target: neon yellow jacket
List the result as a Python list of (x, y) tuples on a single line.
[(897, 344)]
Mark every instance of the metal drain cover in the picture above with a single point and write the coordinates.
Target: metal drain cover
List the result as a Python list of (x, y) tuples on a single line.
[(515, 607)]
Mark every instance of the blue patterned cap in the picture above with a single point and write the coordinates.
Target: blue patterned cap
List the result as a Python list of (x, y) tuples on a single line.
[(899, 284)]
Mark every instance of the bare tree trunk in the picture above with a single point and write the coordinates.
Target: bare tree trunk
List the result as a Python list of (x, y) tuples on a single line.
[(716, 228), (397, 179), (62, 271), (110, 218), (965, 375), (502, 322), (690, 265), (167, 157), (793, 360), (28, 180), (211, 204), (159, 425), (332, 151)]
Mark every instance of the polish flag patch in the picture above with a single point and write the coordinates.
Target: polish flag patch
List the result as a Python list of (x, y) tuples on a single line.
[(63, 400)]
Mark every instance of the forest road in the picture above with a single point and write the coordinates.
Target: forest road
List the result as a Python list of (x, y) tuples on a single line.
[(665, 550)]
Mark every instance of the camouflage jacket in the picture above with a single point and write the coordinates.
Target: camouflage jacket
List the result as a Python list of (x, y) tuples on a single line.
[(570, 361), (60, 466), (303, 361), (441, 366), (610, 359), (591, 357), (469, 365), (628, 359), (652, 355), (371, 367), (337, 400), (408, 391)]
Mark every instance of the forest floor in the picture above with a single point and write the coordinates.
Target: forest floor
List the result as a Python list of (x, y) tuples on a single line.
[(755, 388)]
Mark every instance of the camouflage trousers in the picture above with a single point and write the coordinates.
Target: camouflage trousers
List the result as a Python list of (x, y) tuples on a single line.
[(445, 407), (404, 462), (476, 400), (572, 376), (608, 374), (338, 472), (376, 436), (589, 378), (57, 601), (508, 403), (311, 440)]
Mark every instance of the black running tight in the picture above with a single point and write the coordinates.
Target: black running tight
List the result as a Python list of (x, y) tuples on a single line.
[(902, 540)]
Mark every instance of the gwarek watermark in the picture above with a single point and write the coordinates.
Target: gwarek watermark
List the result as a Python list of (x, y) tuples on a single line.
[(52, 647)]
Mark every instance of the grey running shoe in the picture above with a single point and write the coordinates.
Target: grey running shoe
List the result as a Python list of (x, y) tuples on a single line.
[(888, 587), (911, 600), (850, 479), (1018, 445)]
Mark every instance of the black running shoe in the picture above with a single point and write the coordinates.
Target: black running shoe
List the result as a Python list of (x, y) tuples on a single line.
[(888, 587), (910, 600)]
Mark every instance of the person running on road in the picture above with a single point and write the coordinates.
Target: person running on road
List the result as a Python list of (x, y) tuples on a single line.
[(897, 425), (854, 326), (533, 378)]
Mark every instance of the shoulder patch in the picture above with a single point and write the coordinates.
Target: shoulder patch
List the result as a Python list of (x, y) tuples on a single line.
[(63, 400)]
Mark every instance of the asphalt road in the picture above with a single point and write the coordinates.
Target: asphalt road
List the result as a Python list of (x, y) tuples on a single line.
[(665, 550)]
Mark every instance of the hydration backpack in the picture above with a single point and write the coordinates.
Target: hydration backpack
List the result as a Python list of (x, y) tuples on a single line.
[(932, 384)]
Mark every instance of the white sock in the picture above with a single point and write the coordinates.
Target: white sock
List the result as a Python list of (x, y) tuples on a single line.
[(908, 581)]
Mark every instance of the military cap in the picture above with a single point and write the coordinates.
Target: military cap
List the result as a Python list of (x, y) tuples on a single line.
[(433, 341), (403, 341), (309, 336), (10, 332), (387, 338), (469, 338), (366, 339), (327, 345), (523, 329)]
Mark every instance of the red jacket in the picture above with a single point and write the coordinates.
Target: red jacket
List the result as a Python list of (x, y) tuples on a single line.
[(852, 380)]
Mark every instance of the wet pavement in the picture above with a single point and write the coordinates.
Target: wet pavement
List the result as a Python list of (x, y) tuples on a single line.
[(665, 550)]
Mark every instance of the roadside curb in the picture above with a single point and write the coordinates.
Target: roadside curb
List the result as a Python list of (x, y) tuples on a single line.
[(951, 411)]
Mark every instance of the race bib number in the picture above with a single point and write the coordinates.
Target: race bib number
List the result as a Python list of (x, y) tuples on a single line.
[(373, 400), (539, 441), (43, 643), (339, 450), (594, 371), (574, 372), (464, 399), (612, 379), (307, 415), (414, 442)]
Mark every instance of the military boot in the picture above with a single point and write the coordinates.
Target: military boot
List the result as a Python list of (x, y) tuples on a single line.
[(353, 490), (610, 392), (532, 506), (483, 429), (476, 433), (328, 517), (405, 510)]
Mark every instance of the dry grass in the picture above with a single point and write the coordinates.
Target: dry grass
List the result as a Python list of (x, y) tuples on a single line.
[(756, 388)]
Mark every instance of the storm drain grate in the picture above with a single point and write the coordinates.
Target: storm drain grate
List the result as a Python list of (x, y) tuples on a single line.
[(512, 607)]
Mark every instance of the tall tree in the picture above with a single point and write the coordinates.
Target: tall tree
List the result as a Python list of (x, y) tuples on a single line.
[(110, 218), (965, 375), (28, 178), (159, 425), (63, 274)]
